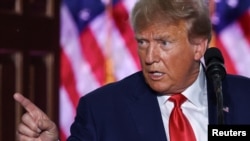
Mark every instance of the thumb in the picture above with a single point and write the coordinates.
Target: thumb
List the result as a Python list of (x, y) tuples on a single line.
[(48, 127)]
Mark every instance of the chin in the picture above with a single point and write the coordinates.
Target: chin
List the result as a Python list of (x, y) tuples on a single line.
[(157, 88)]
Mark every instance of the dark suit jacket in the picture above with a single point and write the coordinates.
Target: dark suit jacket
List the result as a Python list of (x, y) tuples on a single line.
[(128, 110)]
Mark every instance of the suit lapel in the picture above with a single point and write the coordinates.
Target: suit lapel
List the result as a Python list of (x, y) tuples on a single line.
[(146, 114)]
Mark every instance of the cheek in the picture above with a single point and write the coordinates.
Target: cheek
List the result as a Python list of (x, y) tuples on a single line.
[(173, 66), (141, 55), (183, 65), (170, 57), (178, 61)]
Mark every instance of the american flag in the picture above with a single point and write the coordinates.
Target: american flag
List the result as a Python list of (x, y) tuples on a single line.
[(231, 23), (98, 46)]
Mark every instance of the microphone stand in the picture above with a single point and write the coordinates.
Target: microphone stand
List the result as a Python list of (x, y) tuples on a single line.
[(219, 97)]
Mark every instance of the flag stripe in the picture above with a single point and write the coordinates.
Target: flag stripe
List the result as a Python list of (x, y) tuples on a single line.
[(122, 61), (228, 61), (244, 22), (67, 113), (67, 79), (93, 55), (122, 22)]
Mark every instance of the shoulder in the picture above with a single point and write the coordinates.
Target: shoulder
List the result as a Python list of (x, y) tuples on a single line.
[(127, 82), (116, 94), (237, 79), (237, 83), (127, 85)]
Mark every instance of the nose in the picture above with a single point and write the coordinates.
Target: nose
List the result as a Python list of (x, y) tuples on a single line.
[(152, 55)]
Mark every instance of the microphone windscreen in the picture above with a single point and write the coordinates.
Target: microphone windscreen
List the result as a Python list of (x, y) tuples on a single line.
[(213, 53), (214, 63)]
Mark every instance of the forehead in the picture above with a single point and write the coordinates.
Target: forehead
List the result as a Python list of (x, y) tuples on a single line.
[(162, 27)]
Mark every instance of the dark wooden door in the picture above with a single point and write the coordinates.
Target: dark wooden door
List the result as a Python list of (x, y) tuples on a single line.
[(29, 59)]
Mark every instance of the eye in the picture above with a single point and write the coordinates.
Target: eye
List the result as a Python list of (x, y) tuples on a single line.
[(142, 43), (164, 43)]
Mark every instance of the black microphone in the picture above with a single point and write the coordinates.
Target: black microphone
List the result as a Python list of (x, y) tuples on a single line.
[(216, 72), (214, 63)]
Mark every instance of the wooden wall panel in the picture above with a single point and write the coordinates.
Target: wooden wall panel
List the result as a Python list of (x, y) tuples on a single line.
[(29, 59), (10, 81)]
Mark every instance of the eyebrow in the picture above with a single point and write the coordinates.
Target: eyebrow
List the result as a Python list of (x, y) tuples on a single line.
[(157, 36), (138, 35), (161, 36)]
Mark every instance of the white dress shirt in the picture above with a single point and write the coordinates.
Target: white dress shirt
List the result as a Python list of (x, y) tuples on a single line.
[(195, 108)]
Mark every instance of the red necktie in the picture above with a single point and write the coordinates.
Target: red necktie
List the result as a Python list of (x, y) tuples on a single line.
[(179, 127)]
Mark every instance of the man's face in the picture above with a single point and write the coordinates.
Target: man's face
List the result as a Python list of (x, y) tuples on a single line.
[(170, 63)]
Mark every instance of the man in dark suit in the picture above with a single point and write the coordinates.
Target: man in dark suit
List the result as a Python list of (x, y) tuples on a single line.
[(172, 37)]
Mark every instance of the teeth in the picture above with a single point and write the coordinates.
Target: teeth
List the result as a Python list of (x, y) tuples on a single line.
[(157, 73)]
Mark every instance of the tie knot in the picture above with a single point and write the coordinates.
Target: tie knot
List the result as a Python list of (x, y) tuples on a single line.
[(178, 99)]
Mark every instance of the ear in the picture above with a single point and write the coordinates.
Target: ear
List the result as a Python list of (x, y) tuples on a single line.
[(200, 48)]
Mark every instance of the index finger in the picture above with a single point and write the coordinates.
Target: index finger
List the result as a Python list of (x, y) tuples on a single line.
[(26, 103)]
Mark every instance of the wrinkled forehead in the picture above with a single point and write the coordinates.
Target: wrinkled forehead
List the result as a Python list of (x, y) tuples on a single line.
[(162, 28)]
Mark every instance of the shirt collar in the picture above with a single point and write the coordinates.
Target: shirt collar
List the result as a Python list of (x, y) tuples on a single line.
[(196, 93)]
